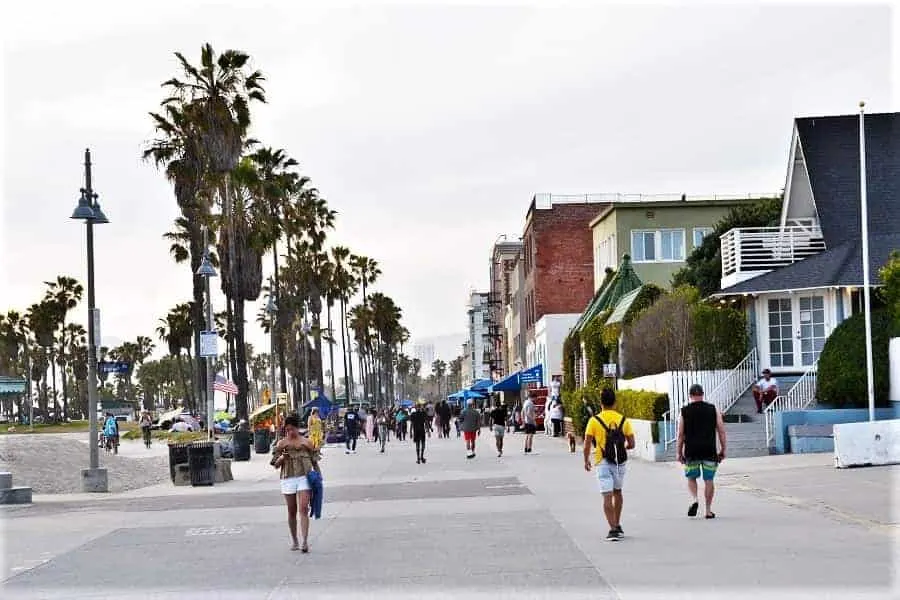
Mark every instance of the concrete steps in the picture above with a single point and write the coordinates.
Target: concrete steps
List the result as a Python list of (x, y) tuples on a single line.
[(744, 439), (13, 495)]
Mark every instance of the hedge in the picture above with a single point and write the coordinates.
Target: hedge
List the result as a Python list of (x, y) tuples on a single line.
[(634, 404), (841, 378)]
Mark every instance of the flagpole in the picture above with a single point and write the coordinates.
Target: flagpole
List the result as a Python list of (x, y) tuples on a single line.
[(867, 301)]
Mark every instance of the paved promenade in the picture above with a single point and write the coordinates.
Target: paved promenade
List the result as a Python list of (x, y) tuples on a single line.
[(516, 527)]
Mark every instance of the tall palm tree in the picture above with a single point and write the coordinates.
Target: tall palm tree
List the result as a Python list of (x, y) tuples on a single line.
[(204, 131), (42, 320), (439, 368), (344, 286), (366, 270)]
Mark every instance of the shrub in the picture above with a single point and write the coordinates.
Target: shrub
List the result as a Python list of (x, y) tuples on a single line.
[(596, 351), (720, 336), (842, 364), (661, 338), (570, 352), (889, 291), (634, 404)]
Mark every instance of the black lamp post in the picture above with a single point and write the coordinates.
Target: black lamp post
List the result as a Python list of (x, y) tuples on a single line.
[(94, 479)]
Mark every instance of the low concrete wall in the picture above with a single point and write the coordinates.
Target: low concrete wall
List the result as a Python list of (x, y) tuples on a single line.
[(643, 441), (785, 419), (869, 443)]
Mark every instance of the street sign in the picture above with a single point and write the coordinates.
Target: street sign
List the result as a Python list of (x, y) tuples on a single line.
[(609, 370), (533, 375), (282, 397), (209, 344), (96, 317), (119, 367)]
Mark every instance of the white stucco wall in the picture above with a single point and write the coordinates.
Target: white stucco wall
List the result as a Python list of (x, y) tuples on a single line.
[(894, 361), (549, 334)]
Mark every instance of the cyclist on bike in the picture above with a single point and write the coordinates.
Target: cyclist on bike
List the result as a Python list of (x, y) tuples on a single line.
[(111, 433)]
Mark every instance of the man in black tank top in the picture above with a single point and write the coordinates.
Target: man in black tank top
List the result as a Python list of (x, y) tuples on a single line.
[(699, 426)]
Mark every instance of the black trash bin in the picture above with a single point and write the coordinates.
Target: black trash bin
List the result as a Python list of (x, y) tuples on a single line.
[(240, 444), (178, 454), (261, 441), (203, 463)]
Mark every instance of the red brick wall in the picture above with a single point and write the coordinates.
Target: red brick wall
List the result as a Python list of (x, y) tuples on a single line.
[(562, 280)]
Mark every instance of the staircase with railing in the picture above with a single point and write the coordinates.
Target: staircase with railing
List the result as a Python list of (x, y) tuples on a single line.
[(800, 396), (723, 394)]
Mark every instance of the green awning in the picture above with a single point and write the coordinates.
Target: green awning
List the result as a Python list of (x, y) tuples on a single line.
[(621, 309), (12, 385), (623, 282)]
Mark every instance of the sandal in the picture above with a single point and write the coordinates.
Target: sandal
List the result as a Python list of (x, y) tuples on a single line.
[(711, 515), (692, 511), (295, 546), (304, 549)]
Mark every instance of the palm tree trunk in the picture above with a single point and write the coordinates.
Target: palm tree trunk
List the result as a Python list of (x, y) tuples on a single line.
[(348, 351), (279, 340), (198, 372), (55, 391), (331, 354), (184, 385), (192, 398), (240, 373)]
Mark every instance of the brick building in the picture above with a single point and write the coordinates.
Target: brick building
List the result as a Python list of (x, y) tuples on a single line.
[(504, 256), (557, 257)]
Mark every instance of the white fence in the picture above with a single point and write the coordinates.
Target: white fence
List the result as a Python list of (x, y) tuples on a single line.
[(767, 248)]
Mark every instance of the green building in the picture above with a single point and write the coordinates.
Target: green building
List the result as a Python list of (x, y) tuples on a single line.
[(658, 232)]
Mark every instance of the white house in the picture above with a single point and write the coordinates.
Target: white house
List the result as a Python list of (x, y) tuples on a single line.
[(550, 332), (801, 279)]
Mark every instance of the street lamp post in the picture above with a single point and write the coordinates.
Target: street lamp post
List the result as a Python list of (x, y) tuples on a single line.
[(94, 478), (306, 330), (867, 293), (206, 270)]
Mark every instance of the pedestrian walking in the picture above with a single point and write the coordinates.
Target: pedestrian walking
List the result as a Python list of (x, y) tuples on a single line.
[(314, 425), (556, 417), (295, 457), (351, 430), (614, 436), (695, 447), (418, 421), (471, 427), (529, 421), (402, 416), (429, 412), (383, 427), (146, 427), (498, 420), (370, 426)]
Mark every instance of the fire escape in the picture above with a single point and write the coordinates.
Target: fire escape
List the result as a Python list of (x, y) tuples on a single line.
[(494, 336)]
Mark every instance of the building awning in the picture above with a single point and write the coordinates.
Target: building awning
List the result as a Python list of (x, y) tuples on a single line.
[(514, 382), (12, 385), (621, 309), (482, 385)]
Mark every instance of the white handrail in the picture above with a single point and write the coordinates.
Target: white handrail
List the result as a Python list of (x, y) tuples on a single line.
[(801, 395), (730, 389)]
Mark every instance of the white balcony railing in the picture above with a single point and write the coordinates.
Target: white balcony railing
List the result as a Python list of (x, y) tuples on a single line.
[(759, 249)]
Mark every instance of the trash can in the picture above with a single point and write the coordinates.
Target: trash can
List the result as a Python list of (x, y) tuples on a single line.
[(240, 443), (178, 454), (203, 463), (261, 441)]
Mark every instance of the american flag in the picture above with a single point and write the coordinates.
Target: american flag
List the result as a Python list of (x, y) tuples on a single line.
[(224, 385)]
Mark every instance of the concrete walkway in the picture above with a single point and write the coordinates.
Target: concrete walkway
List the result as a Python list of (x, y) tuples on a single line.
[(520, 526)]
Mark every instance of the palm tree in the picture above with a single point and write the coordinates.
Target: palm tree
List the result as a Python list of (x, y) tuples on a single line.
[(386, 317), (207, 115), (42, 321), (176, 331), (344, 286), (439, 368), (366, 270), (64, 294)]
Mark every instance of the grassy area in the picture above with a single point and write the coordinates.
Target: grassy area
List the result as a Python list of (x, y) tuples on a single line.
[(165, 436), (72, 427)]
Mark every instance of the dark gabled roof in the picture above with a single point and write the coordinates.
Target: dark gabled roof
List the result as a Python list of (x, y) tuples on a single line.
[(622, 282), (838, 266), (831, 149)]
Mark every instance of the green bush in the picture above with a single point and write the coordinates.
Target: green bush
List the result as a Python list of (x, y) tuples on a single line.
[(634, 404), (570, 352), (596, 351), (720, 336), (842, 364)]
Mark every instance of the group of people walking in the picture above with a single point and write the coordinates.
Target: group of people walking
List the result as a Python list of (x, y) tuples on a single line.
[(608, 438)]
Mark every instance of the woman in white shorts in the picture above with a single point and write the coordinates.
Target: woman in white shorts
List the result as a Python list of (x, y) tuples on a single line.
[(295, 456)]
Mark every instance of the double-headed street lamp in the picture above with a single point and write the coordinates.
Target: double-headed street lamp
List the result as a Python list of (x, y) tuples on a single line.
[(208, 338), (93, 479)]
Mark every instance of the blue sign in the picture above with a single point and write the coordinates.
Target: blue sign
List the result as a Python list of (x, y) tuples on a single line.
[(533, 375), (118, 367)]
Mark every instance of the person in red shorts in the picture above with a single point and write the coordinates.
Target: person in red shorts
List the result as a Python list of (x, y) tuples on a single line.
[(471, 427)]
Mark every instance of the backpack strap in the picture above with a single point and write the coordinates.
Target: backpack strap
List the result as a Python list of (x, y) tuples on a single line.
[(602, 424)]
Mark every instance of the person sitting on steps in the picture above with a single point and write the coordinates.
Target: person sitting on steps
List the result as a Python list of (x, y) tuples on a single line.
[(765, 390)]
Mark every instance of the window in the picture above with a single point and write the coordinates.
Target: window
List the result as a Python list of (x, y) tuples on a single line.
[(699, 234), (643, 246), (671, 244), (663, 245)]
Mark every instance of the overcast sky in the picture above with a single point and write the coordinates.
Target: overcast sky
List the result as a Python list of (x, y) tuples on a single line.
[(428, 128)]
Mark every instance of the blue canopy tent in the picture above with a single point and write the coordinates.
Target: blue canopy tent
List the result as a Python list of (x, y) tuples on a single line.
[(482, 386), (406, 403), (465, 395), (321, 402), (514, 382)]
